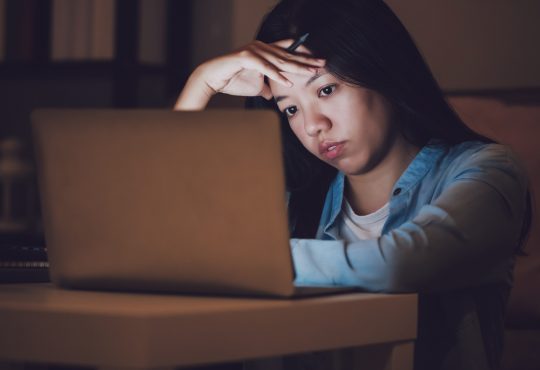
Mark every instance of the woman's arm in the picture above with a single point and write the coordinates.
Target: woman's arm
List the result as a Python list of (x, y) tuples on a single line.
[(196, 93), (465, 237), (242, 73)]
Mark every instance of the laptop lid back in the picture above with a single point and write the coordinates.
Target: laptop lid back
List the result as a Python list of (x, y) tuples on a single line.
[(164, 201)]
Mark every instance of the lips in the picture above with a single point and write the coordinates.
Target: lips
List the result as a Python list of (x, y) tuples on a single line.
[(331, 149)]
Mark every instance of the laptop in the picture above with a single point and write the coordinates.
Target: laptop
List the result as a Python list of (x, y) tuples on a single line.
[(156, 200)]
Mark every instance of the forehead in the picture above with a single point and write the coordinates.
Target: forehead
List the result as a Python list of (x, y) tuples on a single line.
[(299, 82), (301, 50)]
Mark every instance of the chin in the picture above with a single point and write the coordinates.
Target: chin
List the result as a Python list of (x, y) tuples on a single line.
[(354, 172), (351, 169)]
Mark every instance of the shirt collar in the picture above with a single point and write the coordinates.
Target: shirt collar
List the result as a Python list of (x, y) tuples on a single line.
[(417, 169), (420, 165)]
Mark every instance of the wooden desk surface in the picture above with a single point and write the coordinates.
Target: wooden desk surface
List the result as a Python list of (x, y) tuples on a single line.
[(41, 323)]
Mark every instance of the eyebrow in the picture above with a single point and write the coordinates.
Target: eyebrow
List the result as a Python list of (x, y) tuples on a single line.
[(311, 79)]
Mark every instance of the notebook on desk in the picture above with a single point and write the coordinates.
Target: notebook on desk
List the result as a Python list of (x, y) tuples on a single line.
[(155, 200)]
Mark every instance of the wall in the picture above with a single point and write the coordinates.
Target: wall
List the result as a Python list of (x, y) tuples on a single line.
[(212, 24), (224, 25), (476, 44), (246, 19)]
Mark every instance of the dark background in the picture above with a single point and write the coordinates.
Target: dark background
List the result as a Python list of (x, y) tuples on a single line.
[(30, 80)]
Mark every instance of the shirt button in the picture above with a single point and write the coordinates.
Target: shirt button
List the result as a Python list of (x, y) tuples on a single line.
[(397, 191)]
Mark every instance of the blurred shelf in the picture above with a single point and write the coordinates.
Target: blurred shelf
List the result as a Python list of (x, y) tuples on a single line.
[(86, 69)]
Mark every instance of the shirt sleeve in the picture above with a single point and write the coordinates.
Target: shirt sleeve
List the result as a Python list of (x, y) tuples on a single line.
[(465, 237)]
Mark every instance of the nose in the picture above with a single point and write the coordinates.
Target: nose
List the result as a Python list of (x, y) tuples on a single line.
[(316, 122)]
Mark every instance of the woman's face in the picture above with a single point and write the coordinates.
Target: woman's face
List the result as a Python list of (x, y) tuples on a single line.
[(346, 126)]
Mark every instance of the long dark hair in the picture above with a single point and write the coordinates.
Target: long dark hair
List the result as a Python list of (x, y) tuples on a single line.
[(364, 44)]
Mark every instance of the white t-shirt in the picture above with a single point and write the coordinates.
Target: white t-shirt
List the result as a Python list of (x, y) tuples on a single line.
[(354, 227)]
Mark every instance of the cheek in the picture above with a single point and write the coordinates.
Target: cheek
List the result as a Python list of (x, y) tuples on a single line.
[(299, 132), (307, 141), (373, 120)]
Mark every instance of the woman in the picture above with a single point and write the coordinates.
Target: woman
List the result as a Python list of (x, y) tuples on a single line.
[(389, 190)]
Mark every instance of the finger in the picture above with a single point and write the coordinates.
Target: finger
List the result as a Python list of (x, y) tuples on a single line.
[(281, 56), (285, 43), (285, 61), (266, 68), (279, 47), (286, 65), (266, 93), (307, 59)]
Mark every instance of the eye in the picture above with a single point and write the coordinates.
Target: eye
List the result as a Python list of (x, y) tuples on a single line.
[(327, 90), (290, 111)]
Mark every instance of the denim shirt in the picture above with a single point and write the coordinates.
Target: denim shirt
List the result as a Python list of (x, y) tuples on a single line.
[(454, 222)]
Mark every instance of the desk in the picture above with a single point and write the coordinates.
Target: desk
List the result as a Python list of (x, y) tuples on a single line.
[(43, 324)]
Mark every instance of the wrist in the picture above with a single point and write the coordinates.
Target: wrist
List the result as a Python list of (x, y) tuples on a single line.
[(196, 93)]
